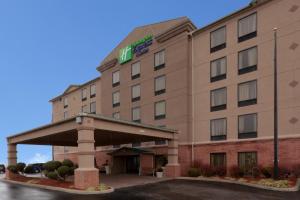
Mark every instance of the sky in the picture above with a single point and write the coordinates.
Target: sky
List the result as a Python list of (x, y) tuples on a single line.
[(47, 45)]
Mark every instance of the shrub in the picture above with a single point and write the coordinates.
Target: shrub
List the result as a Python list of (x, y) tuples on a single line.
[(52, 175), (206, 170), (220, 171), (13, 169), (284, 172), (52, 165), (67, 163), (72, 170), (159, 169), (236, 171), (255, 172), (63, 171), (296, 170), (267, 172), (194, 172), (21, 167), (29, 170)]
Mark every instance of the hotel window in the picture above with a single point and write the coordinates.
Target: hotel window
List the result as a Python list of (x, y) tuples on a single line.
[(135, 70), (160, 142), (247, 27), (135, 93), (136, 144), (218, 69), (218, 99), (65, 102), (246, 161), (92, 90), (218, 39), (136, 114), (218, 129), (85, 109), (116, 115), (247, 126), (160, 110), (159, 60), (83, 94), (218, 159), (160, 85), (247, 93), (93, 107), (65, 114), (116, 78), (247, 60), (116, 99)]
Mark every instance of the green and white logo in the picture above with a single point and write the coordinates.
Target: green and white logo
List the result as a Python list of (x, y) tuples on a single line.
[(125, 54)]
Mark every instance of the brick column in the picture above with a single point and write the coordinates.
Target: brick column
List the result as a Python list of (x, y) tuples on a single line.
[(86, 175), (173, 168), (11, 158)]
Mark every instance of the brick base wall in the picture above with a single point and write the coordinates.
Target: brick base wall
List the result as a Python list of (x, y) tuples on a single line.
[(289, 153)]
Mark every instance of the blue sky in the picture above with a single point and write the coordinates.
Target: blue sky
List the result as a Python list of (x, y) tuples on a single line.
[(47, 45)]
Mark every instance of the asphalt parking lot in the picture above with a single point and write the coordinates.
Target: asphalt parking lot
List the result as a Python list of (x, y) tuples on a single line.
[(173, 189)]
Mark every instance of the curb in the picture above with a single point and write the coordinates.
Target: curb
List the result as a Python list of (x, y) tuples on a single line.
[(293, 189), (70, 191)]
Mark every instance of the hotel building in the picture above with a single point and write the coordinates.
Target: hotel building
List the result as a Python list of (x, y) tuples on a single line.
[(214, 85)]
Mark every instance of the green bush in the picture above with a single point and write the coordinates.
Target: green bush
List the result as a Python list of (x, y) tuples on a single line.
[(21, 167), (13, 169), (52, 165), (52, 175), (67, 163), (236, 172), (63, 171), (207, 170), (72, 170), (267, 171), (255, 172), (29, 170), (194, 172)]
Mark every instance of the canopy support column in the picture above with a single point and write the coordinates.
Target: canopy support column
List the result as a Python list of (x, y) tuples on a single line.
[(173, 167), (86, 175)]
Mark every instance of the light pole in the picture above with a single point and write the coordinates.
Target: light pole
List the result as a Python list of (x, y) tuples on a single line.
[(275, 108)]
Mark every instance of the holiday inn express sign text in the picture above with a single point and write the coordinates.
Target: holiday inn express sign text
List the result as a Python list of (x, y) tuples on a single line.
[(139, 47)]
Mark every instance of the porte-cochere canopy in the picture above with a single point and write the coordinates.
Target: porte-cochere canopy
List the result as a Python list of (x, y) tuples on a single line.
[(89, 130)]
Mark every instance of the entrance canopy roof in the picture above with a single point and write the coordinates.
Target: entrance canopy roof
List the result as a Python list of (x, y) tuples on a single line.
[(108, 131)]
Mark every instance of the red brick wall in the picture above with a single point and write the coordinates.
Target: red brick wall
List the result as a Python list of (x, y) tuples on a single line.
[(289, 152)]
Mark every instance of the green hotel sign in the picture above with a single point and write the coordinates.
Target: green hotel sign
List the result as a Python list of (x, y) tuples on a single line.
[(139, 47)]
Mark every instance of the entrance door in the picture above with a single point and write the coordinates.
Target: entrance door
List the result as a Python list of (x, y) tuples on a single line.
[(132, 164)]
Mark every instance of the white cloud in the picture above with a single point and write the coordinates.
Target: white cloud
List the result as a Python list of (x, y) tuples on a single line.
[(39, 158)]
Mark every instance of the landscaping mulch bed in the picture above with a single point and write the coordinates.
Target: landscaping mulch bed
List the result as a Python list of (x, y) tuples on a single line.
[(44, 181)]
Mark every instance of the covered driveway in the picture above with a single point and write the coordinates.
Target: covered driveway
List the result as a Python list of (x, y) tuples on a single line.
[(86, 131)]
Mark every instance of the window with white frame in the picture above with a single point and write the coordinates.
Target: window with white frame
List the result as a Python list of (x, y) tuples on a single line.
[(65, 101), (136, 114), (247, 93), (247, 27), (135, 70), (116, 99), (218, 69), (218, 39), (83, 94), (218, 128), (247, 60), (66, 115), (93, 107), (92, 90), (116, 115), (218, 99), (160, 110), (136, 93), (159, 59), (116, 78), (85, 109), (160, 85), (247, 126)]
